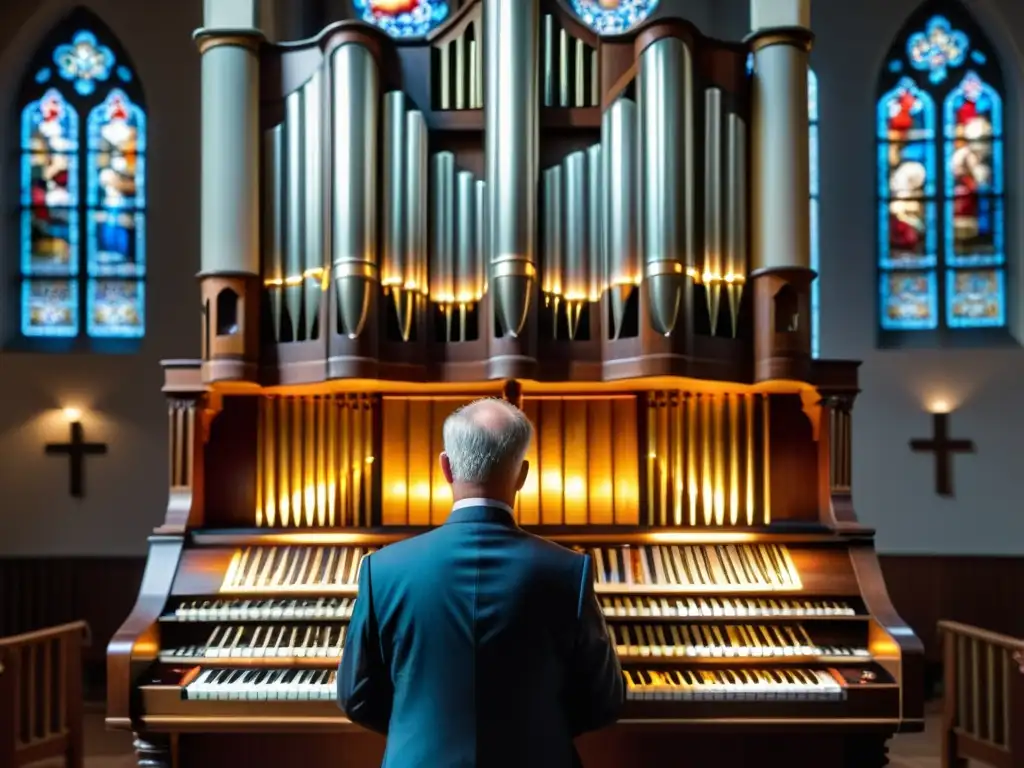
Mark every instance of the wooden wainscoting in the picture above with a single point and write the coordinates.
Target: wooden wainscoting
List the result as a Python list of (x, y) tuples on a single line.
[(37, 592), (986, 592)]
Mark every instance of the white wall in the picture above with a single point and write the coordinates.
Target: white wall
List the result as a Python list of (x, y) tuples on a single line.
[(126, 491)]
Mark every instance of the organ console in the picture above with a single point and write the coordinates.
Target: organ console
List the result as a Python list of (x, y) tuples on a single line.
[(373, 258)]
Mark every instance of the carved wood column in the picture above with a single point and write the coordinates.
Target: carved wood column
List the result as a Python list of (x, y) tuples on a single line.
[(838, 411), (190, 409)]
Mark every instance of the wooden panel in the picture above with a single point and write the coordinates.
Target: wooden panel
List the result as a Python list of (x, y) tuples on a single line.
[(984, 591), (38, 592)]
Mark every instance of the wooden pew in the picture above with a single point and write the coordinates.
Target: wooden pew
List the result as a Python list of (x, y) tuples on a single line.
[(983, 705), (41, 696)]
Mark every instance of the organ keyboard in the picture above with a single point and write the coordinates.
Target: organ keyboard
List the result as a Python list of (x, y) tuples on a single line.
[(779, 623)]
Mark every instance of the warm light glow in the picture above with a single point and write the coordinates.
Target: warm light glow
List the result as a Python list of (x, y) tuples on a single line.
[(939, 405), (393, 7), (72, 414)]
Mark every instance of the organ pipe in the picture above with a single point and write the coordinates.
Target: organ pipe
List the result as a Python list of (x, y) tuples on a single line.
[(665, 88), (736, 215), (354, 181), (619, 145), (725, 191), (457, 275), (293, 232), (708, 459), (575, 278), (273, 231), (404, 230), (511, 113), (416, 186), (442, 199)]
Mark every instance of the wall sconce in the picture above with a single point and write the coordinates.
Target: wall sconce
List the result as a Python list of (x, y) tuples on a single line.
[(76, 449)]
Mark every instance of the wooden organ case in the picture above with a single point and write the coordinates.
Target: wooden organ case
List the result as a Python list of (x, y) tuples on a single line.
[(515, 207)]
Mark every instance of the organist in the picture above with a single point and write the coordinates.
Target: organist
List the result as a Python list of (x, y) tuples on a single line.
[(468, 637)]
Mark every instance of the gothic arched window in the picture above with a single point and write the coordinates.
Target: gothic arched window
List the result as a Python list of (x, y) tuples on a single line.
[(941, 247), (82, 190)]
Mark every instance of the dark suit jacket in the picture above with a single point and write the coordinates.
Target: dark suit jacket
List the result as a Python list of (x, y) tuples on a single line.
[(479, 645)]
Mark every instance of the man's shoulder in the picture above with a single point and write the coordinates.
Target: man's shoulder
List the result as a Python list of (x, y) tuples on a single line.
[(553, 548)]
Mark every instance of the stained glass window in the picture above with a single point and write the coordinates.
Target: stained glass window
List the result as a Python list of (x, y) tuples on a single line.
[(939, 117), (812, 142), (83, 189), (403, 18), (613, 17)]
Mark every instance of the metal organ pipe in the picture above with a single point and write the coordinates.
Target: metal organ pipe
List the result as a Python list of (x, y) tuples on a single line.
[(293, 231), (551, 275), (711, 275), (511, 112), (725, 206), (575, 280), (273, 232), (735, 215), (442, 198), (416, 205), (595, 226), (354, 208), (393, 231), (313, 229), (404, 230), (665, 88), (465, 244), (622, 260)]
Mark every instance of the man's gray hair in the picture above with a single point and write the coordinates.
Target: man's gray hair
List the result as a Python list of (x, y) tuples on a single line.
[(484, 438)]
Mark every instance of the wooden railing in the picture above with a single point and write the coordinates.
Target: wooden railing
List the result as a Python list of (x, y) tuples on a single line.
[(41, 696), (983, 708)]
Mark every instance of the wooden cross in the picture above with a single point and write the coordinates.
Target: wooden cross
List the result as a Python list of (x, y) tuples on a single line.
[(943, 448), (76, 449)]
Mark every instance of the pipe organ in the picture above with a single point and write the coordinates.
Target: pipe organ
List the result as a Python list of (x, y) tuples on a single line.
[(504, 198)]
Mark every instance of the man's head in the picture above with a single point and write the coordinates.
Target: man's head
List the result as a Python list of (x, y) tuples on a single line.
[(485, 446)]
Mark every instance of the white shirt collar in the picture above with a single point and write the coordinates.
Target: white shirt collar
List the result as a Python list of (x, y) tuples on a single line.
[(464, 503)]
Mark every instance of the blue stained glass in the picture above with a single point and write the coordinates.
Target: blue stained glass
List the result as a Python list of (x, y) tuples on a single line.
[(403, 19), (49, 124), (978, 57), (973, 110), (812, 96), (49, 179), (908, 301), (84, 61), (43, 75), (975, 232), (49, 308), (907, 234), (117, 243), (608, 17), (49, 242), (938, 49), (895, 65), (975, 299), (124, 74), (116, 308), (906, 113), (117, 125)]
